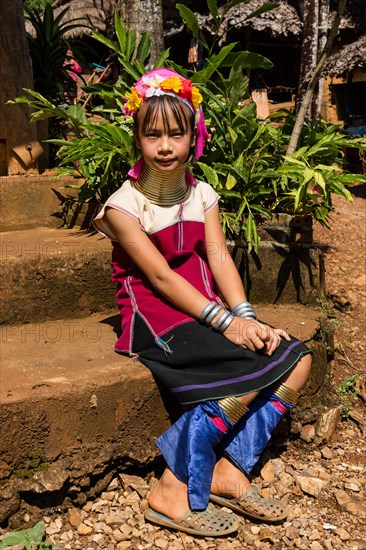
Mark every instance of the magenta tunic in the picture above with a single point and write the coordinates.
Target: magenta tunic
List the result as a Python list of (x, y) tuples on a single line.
[(178, 232), (194, 362)]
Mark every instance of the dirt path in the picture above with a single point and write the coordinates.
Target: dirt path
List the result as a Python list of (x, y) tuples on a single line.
[(345, 261)]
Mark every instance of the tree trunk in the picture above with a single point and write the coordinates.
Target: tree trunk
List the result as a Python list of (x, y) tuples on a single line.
[(15, 74), (309, 49), (142, 16), (323, 31), (306, 101)]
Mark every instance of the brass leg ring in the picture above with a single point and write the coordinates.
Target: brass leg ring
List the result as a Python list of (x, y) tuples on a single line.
[(233, 408), (287, 394)]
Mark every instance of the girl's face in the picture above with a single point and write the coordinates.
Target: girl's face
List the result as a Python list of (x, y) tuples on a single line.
[(164, 143)]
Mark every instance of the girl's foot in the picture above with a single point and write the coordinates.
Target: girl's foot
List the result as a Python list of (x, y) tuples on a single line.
[(228, 480), (231, 488), (169, 496), (169, 507)]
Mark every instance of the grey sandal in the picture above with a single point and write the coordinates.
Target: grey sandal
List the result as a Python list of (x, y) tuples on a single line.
[(252, 505), (209, 523)]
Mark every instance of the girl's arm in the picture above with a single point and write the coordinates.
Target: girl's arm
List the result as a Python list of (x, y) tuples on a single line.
[(220, 261), (229, 282), (152, 263), (171, 285)]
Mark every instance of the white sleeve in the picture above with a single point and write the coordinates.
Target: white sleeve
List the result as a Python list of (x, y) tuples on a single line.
[(125, 200), (209, 196)]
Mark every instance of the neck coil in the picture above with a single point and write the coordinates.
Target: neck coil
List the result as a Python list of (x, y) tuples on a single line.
[(163, 189)]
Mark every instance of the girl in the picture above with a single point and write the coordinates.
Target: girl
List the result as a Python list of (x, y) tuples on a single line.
[(233, 375)]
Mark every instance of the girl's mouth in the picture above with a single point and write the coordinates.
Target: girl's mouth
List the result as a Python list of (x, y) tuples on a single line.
[(165, 162)]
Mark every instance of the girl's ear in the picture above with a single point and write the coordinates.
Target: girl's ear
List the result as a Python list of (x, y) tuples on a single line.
[(136, 139), (193, 140)]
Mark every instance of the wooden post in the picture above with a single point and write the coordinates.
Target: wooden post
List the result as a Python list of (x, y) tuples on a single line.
[(260, 98), (15, 74)]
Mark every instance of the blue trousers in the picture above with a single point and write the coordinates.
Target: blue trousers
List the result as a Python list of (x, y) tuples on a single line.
[(191, 446)]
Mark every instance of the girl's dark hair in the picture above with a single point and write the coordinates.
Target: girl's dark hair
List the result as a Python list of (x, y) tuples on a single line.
[(160, 105)]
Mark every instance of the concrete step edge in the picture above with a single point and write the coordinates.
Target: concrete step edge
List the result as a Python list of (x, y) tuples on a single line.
[(49, 274)]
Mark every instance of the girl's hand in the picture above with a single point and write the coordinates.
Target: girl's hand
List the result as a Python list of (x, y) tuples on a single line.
[(273, 338), (253, 335)]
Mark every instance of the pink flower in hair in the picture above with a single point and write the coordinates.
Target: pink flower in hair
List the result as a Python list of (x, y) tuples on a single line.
[(149, 86)]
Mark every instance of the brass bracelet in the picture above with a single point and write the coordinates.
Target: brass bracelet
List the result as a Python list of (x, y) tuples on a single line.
[(287, 394), (233, 408)]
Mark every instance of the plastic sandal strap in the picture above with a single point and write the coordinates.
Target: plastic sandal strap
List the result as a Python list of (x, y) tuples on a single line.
[(210, 522), (251, 504), (266, 508)]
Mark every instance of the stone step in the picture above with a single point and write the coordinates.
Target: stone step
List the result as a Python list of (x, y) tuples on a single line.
[(73, 411), (49, 273), (56, 273), (29, 201), (281, 272)]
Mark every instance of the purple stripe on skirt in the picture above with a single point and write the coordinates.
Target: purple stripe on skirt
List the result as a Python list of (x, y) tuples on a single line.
[(239, 378)]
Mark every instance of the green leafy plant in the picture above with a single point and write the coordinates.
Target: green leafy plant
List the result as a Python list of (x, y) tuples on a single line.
[(346, 390), (36, 5), (347, 386), (48, 48), (100, 157), (217, 14), (96, 140), (36, 462), (30, 538), (245, 160)]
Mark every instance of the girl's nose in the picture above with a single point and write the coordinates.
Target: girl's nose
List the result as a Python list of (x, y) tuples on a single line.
[(164, 144)]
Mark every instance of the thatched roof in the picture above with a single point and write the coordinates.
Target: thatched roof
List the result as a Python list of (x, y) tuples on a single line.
[(281, 21), (284, 20), (354, 17), (350, 57), (98, 14)]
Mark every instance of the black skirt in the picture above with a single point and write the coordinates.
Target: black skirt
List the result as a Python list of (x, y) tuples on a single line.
[(199, 364)]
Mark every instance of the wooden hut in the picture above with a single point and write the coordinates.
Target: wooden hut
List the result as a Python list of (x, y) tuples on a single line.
[(276, 34), (345, 85)]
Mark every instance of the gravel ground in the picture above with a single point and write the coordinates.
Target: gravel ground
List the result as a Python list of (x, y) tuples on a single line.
[(324, 486)]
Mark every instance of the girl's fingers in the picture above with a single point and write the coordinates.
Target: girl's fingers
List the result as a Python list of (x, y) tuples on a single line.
[(283, 333), (250, 346), (273, 341), (265, 333), (274, 345), (257, 342), (256, 336)]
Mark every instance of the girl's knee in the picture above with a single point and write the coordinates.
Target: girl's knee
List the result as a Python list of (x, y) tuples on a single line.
[(303, 366), (306, 367), (306, 361), (297, 377)]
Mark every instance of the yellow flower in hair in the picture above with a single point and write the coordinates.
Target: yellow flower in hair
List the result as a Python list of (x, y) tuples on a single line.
[(196, 98), (173, 83), (134, 101)]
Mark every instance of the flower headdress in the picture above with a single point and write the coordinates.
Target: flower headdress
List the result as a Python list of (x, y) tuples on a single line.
[(168, 82)]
